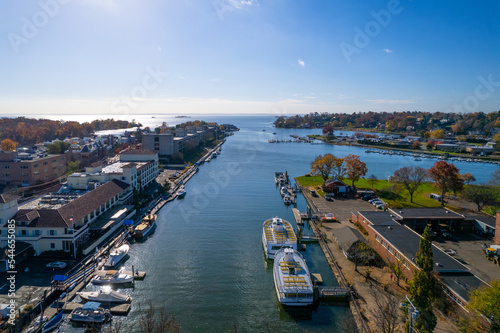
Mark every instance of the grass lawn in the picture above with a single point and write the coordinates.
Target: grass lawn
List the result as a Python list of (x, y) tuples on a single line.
[(393, 194)]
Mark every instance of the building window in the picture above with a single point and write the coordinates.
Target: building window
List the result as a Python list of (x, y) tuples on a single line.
[(5, 166), (45, 163), (377, 238), (398, 256), (35, 166), (24, 167), (391, 250), (36, 173), (52, 245), (54, 161), (384, 244), (406, 264), (52, 232), (23, 232), (157, 138)]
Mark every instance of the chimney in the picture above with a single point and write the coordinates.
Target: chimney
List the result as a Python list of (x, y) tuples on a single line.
[(497, 229)]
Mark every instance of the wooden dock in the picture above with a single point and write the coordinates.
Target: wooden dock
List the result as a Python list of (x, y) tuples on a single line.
[(297, 216), (117, 310), (333, 293)]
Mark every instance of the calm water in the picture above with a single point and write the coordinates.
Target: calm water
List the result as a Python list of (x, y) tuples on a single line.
[(205, 262)]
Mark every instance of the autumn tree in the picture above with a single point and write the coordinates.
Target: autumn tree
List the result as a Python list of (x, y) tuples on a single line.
[(323, 165), (481, 195), (467, 178), (338, 170), (327, 129), (437, 134), (446, 177), (411, 178), (423, 285), (416, 145), (7, 145), (355, 168)]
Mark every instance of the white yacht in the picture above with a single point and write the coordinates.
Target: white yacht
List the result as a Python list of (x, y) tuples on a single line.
[(292, 280), (112, 277), (90, 313), (116, 256), (181, 192), (105, 295), (277, 233)]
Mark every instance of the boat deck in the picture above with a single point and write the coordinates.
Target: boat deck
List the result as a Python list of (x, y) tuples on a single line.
[(117, 310), (284, 236)]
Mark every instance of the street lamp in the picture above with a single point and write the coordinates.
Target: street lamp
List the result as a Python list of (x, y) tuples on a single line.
[(413, 313)]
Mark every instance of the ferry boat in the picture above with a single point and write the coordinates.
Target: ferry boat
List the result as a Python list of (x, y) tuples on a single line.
[(105, 295), (113, 277), (147, 224), (277, 233), (116, 256), (90, 313), (292, 280)]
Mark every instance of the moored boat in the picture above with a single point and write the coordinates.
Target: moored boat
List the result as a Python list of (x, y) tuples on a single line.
[(105, 295), (116, 256), (147, 224), (277, 233), (292, 280), (53, 323), (90, 313), (181, 193), (112, 277)]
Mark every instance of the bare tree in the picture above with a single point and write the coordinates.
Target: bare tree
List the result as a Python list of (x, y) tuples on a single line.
[(495, 177), (373, 179), (396, 269), (386, 311), (154, 322), (411, 178)]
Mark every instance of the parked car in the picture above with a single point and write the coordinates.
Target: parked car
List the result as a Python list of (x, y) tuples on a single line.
[(328, 197), (56, 265), (374, 199), (313, 193), (377, 202), (445, 234)]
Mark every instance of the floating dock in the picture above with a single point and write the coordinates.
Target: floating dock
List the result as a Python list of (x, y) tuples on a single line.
[(116, 310)]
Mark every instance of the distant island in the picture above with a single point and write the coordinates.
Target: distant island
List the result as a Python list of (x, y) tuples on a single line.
[(182, 117)]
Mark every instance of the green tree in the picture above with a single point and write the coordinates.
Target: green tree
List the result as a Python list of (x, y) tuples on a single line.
[(423, 284), (355, 168), (481, 195), (73, 166), (485, 301), (373, 179), (57, 147)]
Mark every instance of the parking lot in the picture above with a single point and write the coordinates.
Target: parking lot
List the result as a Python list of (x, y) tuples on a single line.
[(468, 251)]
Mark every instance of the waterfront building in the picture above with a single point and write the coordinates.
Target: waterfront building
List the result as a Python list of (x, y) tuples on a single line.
[(60, 221), (398, 244), (26, 168), (168, 143)]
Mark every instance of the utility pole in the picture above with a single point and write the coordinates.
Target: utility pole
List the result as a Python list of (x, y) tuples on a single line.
[(413, 313)]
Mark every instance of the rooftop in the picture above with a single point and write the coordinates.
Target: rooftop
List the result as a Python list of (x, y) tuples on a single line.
[(139, 152), (379, 217), (407, 242), (486, 219), (425, 213)]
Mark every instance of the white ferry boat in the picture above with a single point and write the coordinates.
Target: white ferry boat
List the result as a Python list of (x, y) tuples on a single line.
[(277, 233), (292, 280)]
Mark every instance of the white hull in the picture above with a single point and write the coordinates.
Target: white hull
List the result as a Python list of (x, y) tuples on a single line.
[(116, 256), (117, 278), (104, 297), (292, 280), (277, 233)]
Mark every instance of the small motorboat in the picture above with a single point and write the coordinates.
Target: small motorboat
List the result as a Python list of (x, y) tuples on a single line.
[(147, 224), (36, 324), (112, 277), (105, 295), (181, 193), (53, 323), (116, 256), (90, 313)]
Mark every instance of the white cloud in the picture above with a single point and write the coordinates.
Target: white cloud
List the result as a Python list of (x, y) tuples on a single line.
[(242, 3), (387, 50), (301, 62), (391, 101)]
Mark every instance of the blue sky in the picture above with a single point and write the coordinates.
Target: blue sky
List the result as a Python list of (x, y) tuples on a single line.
[(248, 56)]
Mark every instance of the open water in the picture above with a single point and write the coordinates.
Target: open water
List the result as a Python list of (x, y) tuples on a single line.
[(205, 262)]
